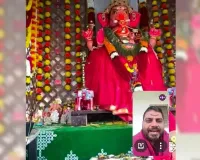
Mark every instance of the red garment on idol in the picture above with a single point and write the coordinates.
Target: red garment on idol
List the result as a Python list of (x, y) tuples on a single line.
[(111, 82), (150, 71), (188, 88)]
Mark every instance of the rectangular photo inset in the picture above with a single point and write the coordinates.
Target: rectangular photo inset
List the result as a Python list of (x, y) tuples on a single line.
[(150, 124)]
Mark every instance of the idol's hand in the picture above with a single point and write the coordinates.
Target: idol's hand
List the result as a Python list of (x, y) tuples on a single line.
[(88, 35)]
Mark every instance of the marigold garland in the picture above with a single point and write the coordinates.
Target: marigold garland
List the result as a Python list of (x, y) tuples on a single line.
[(67, 30), (47, 49), (156, 17), (78, 44), (168, 40), (39, 75), (34, 34), (28, 7)]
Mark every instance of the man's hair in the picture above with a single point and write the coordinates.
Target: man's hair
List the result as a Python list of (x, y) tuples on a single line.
[(154, 108)]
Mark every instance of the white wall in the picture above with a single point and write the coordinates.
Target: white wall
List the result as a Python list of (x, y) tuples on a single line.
[(141, 101)]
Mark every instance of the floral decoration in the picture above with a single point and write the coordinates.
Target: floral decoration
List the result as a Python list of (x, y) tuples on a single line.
[(78, 44), (39, 73), (67, 30), (168, 43), (47, 49)]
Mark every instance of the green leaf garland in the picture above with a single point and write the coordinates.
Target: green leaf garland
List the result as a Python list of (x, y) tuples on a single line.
[(121, 47)]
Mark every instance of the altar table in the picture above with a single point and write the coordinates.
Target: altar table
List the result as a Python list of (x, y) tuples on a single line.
[(82, 143)]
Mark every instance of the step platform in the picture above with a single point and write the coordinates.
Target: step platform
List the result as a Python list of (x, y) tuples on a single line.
[(82, 118)]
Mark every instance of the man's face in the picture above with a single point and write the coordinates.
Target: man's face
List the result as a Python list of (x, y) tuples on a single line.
[(153, 125)]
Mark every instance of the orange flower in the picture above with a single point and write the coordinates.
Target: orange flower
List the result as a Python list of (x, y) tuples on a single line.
[(110, 48), (154, 8), (144, 43)]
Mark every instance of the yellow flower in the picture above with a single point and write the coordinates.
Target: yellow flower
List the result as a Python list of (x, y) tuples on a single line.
[(159, 49), (47, 75), (41, 4), (28, 7), (78, 42), (47, 50), (165, 11), (78, 79), (28, 80), (78, 54), (157, 25), (170, 65), (78, 67), (68, 61), (68, 74), (154, 3), (172, 84), (47, 14), (68, 87), (39, 71), (47, 26), (67, 24), (47, 62), (67, 36), (169, 46), (47, 88), (166, 22), (40, 28), (77, 6), (168, 34), (77, 18), (48, 3), (169, 59), (67, 12), (40, 39), (47, 38), (155, 14), (172, 78), (171, 71), (40, 58), (67, 1), (39, 97), (39, 84), (67, 48)]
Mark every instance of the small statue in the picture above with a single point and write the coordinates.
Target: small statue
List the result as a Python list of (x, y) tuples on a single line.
[(55, 116), (68, 105), (65, 118), (55, 110), (47, 119), (84, 100)]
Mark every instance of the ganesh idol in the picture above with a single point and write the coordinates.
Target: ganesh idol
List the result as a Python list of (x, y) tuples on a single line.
[(123, 60)]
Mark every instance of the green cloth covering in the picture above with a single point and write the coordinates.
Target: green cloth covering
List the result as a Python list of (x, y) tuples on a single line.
[(87, 142)]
